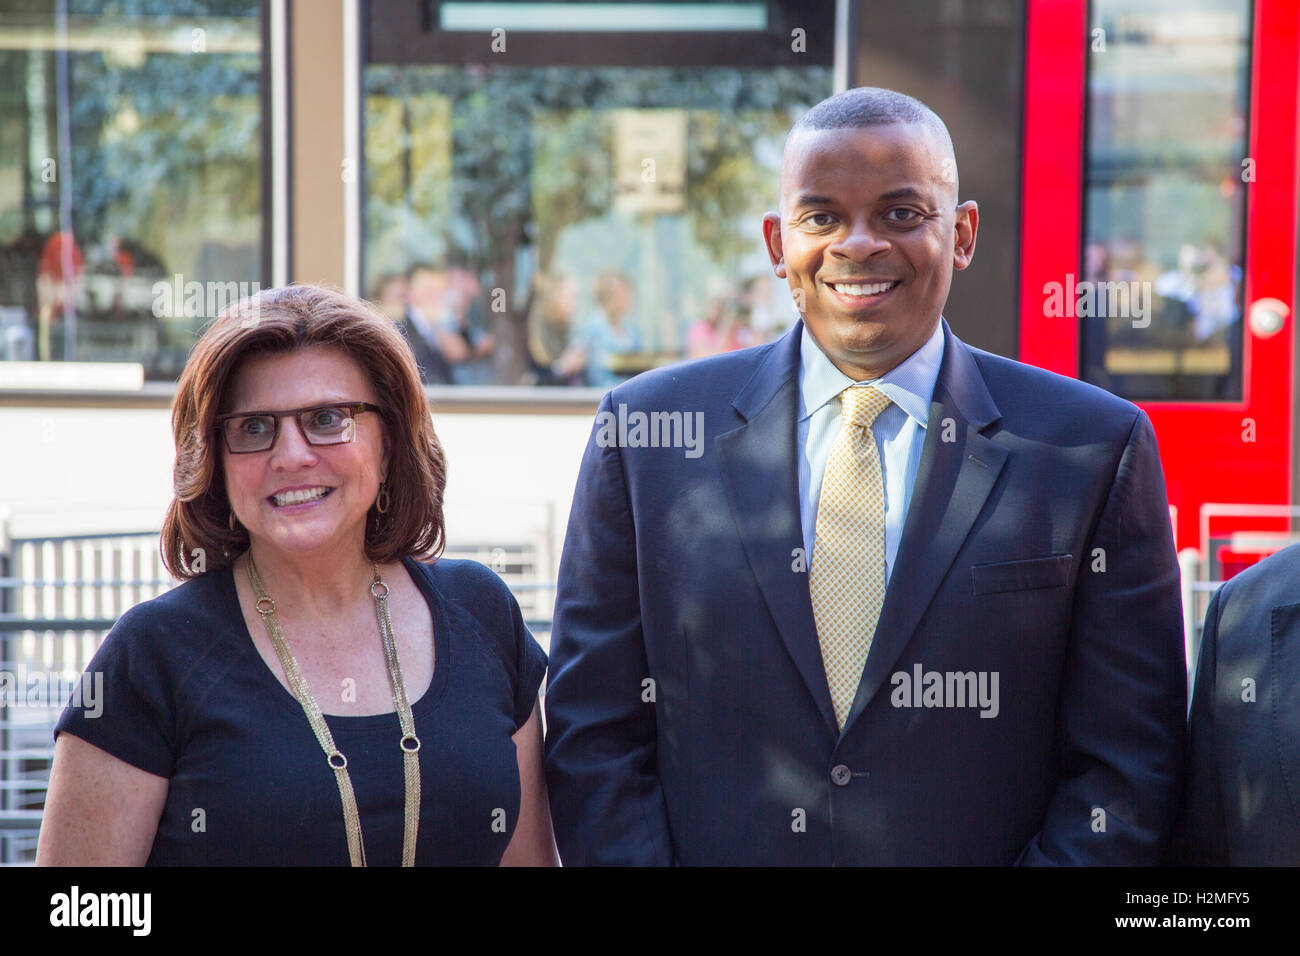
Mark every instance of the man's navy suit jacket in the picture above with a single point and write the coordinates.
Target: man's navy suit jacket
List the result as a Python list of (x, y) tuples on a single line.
[(688, 715), (434, 367), (1241, 794)]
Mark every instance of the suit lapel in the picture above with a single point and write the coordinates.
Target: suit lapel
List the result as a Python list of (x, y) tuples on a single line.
[(1284, 627), (953, 481), (759, 469)]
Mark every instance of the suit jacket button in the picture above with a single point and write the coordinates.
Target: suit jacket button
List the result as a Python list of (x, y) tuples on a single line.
[(841, 775)]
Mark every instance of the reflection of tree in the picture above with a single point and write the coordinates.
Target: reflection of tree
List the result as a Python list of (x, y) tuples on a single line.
[(408, 170), (161, 170), (570, 174), (530, 154), (175, 139)]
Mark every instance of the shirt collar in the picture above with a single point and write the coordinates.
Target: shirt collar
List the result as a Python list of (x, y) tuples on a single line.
[(910, 385)]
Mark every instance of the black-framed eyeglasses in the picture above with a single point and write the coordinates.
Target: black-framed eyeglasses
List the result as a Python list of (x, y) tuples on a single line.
[(331, 424)]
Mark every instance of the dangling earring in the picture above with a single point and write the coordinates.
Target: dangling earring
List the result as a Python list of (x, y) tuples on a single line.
[(230, 522), (381, 502)]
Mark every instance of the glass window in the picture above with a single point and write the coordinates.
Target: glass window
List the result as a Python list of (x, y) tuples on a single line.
[(588, 206), (130, 175), (1160, 296)]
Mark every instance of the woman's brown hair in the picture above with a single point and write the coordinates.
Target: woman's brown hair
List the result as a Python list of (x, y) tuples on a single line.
[(195, 535)]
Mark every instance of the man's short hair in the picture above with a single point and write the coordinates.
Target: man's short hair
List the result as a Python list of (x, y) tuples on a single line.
[(867, 106), (421, 266)]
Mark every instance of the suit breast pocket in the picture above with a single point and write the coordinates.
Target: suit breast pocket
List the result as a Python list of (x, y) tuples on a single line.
[(1052, 571)]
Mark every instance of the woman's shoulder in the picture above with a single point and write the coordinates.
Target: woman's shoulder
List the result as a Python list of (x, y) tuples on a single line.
[(192, 610), (156, 662), (464, 580), (473, 591), (482, 608)]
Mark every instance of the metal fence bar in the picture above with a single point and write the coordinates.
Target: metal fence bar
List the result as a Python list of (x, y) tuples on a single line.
[(1211, 510), (20, 820)]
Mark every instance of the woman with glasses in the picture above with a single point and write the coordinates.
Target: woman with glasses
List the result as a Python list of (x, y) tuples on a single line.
[(321, 690)]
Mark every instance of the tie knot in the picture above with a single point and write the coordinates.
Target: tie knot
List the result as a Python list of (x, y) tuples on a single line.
[(862, 404)]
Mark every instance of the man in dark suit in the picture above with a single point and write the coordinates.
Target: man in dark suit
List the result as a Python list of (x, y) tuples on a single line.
[(423, 324), (866, 595), (1241, 797)]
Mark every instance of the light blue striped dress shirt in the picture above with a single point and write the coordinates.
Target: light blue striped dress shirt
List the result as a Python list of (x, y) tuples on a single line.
[(899, 431)]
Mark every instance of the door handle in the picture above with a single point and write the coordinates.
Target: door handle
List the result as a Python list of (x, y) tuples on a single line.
[(1267, 316)]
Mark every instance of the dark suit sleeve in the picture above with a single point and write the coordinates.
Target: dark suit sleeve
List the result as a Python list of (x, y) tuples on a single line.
[(1121, 711), (601, 770), (1201, 834)]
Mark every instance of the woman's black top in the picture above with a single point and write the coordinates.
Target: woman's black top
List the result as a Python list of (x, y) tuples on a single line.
[(187, 696)]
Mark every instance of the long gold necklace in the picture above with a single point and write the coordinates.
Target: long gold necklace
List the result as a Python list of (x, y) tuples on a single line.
[(410, 743)]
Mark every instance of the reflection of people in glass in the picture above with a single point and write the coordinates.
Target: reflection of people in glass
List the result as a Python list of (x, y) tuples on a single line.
[(1179, 282), (1092, 344), (422, 325), (1215, 292), (765, 320), (706, 335), (389, 295), (1175, 304), (1096, 262), (111, 258), (550, 323), (724, 327), (1200, 311), (608, 332), (56, 285), (469, 346)]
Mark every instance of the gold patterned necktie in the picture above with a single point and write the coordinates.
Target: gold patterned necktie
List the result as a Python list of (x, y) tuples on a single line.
[(847, 576)]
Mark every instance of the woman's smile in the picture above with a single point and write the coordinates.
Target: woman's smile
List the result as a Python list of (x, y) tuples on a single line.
[(296, 500)]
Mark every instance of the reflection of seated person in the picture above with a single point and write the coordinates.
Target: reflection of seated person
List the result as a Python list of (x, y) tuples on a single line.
[(1206, 284), (607, 334), (1216, 293), (1179, 282), (1121, 308), (550, 322), (111, 259), (469, 348)]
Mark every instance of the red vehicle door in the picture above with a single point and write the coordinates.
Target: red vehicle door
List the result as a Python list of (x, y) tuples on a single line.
[(1159, 230)]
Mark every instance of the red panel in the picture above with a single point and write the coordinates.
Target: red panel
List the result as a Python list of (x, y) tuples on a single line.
[(1055, 47), (1206, 456), (1205, 448)]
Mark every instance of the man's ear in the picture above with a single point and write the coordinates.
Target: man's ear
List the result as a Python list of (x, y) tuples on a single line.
[(966, 225), (772, 239)]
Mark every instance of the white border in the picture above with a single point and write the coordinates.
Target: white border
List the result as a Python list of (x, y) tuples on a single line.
[(352, 146), (842, 44), (279, 120)]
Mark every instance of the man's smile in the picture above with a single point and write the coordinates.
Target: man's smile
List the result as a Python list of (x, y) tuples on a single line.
[(860, 293)]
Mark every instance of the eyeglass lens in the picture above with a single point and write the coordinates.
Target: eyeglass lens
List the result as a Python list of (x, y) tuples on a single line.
[(327, 425)]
